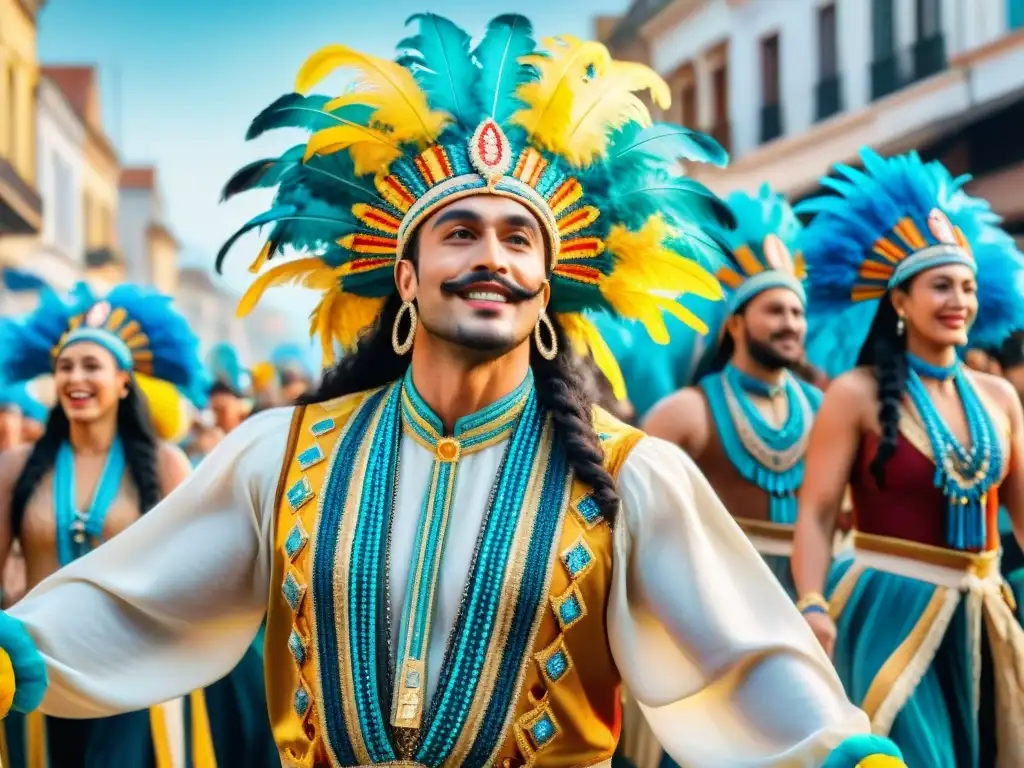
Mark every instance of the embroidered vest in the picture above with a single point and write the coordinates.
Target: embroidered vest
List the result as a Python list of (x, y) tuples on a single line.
[(539, 688)]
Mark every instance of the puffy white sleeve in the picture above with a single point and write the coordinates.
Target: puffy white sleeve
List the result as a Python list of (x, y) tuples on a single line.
[(724, 668), (172, 603)]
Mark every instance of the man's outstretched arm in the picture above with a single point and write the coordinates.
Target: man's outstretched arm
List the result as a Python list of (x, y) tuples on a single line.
[(166, 607)]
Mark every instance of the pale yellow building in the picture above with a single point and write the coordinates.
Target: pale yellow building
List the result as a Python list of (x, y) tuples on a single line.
[(101, 174), (20, 204)]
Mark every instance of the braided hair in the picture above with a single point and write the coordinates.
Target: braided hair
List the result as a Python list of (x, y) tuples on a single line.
[(134, 427), (884, 350), (560, 384)]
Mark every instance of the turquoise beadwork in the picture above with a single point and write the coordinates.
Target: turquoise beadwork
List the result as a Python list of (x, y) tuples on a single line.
[(322, 427), (300, 494), (310, 457), (770, 458), (589, 510), (543, 731), (297, 538), (293, 592), (570, 611), (577, 558), (556, 666), (297, 647), (302, 701), (965, 476)]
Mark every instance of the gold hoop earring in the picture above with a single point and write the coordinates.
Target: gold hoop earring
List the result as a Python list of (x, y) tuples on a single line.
[(547, 352), (900, 326), (403, 347)]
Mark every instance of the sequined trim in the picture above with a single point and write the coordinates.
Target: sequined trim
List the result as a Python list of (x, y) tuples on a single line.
[(302, 700), (297, 538), (293, 592), (535, 731), (569, 607), (300, 494), (297, 646), (588, 511), (577, 558), (554, 661), (310, 457), (322, 427)]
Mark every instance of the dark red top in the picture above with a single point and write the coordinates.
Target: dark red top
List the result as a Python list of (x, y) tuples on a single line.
[(910, 507)]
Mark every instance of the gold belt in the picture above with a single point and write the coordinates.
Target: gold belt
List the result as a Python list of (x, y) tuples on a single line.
[(980, 564), (766, 529)]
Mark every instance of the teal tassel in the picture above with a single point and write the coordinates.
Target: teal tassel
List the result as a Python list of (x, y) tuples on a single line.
[(856, 748)]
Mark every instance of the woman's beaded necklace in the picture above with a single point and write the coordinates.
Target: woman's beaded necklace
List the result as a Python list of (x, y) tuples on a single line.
[(964, 475), (78, 531), (770, 457)]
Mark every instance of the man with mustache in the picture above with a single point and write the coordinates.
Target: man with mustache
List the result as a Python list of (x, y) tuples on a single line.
[(746, 424), (460, 558)]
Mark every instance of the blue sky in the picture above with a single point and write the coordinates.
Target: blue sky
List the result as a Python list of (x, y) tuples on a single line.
[(181, 80)]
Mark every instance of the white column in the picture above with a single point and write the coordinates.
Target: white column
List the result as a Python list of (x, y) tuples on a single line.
[(853, 25), (705, 96)]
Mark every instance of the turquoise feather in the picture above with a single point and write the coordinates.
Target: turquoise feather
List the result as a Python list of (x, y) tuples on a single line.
[(507, 40), (293, 110), (662, 143), (224, 365), (440, 60)]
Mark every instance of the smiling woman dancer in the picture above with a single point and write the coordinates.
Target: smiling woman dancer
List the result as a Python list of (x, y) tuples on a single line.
[(95, 470), (905, 268)]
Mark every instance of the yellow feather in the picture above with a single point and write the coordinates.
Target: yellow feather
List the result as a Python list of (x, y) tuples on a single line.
[(681, 313), (261, 259), (399, 101), (585, 337), (605, 104), (310, 273), (550, 98), (371, 150), (263, 375), (168, 408), (323, 326), (351, 316), (643, 260)]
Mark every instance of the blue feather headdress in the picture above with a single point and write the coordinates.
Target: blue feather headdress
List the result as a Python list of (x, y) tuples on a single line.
[(139, 326), (557, 128), (224, 366), (763, 248), (22, 396), (887, 223), (291, 357)]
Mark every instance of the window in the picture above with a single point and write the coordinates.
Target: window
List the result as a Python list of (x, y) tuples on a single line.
[(770, 70), (883, 31), (688, 104), (929, 19), (828, 57), (720, 92)]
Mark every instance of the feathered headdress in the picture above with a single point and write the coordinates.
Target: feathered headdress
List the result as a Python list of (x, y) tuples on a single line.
[(557, 128), (140, 328), (224, 366), (22, 396), (763, 248), (291, 357), (887, 223)]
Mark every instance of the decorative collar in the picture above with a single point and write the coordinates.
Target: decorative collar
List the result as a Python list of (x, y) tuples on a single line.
[(926, 370), (487, 427)]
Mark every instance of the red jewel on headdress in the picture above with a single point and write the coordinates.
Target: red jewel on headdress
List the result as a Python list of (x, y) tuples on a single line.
[(97, 314), (490, 152)]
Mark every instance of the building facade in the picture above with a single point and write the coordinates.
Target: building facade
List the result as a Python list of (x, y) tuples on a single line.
[(150, 249), (101, 170), (21, 210), (790, 88)]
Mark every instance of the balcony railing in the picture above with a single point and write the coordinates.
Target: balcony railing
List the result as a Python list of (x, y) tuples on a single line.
[(923, 59), (771, 122), (828, 97), (885, 76), (929, 56)]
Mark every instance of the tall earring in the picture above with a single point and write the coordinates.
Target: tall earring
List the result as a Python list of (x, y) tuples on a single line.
[(403, 347), (900, 326), (549, 352)]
